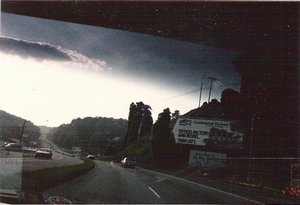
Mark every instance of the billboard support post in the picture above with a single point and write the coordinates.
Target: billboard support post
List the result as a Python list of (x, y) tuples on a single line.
[(251, 137), (250, 149)]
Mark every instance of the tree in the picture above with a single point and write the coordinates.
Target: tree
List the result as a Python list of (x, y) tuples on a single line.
[(175, 115), (139, 122), (163, 144), (161, 127), (144, 117), (92, 133)]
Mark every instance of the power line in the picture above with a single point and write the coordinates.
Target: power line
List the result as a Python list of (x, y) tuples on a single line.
[(193, 91), (180, 95)]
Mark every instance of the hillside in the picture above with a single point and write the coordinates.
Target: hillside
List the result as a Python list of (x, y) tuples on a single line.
[(11, 128), (96, 135), (157, 146), (230, 107)]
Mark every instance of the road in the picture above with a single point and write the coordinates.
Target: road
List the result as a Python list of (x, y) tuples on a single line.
[(59, 159), (12, 167), (110, 183)]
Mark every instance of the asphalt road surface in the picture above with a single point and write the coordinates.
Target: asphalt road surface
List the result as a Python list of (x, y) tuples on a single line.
[(11, 168), (59, 159), (111, 183)]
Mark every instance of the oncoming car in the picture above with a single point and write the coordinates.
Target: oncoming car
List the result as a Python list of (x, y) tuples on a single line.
[(91, 157), (43, 153), (128, 162)]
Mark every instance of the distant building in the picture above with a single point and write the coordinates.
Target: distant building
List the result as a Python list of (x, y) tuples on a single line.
[(76, 150)]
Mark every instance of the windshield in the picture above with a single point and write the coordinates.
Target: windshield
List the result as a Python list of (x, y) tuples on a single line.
[(201, 101)]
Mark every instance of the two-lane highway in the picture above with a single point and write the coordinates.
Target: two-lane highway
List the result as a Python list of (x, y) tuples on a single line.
[(12, 167), (110, 183), (107, 183)]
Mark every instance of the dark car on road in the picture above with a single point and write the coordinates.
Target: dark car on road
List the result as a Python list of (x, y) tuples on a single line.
[(128, 162), (43, 153)]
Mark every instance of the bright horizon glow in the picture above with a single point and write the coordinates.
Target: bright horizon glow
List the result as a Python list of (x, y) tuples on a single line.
[(99, 72), (52, 93)]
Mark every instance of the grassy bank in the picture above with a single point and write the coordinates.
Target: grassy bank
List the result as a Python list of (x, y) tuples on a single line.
[(41, 180), (139, 149), (13, 154)]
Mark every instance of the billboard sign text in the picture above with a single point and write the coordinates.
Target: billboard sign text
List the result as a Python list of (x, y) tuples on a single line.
[(207, 159), (208, 132)]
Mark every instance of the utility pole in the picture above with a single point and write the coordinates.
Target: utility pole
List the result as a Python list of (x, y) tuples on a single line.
[(139, 132), (211, 81), (22, 132), (200, 94)]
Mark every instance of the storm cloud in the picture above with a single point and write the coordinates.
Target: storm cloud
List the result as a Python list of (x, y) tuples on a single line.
[(46, 51), (31, 49), (138, 57)]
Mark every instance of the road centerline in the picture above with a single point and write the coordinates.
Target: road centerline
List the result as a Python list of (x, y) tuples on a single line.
[(156, 194)]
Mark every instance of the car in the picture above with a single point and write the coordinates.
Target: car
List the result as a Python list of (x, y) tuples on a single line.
[(128, 162), (29, 149), (90, 156), (43, 153), (13, 147)]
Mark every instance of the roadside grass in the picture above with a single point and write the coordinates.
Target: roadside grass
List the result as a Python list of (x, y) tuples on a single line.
[(41, 180), (140, 149), (12, 154)]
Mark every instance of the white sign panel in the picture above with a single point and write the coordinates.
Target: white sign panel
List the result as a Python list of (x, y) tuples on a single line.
[(207, 159), (207, 132)]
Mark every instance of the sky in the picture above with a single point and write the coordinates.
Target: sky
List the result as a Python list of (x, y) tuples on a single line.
[(52, 72)]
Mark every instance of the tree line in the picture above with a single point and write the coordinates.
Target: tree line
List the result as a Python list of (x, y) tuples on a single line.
[(165, 152), (95, 135)]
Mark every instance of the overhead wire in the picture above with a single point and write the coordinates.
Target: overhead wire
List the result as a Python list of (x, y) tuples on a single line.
[(193, 91)]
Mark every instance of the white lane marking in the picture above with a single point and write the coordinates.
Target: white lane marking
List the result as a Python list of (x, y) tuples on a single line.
[(160, 179), (201, 185), (156, 194)]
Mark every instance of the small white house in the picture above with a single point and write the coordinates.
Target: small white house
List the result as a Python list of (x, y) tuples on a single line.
[(76, 149)]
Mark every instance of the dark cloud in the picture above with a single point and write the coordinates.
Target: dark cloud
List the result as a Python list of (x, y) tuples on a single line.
[(159, 60), (31, 49), (45, 51)]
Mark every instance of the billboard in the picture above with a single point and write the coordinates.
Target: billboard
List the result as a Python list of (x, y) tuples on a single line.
[(207, 159), (227, 134)]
